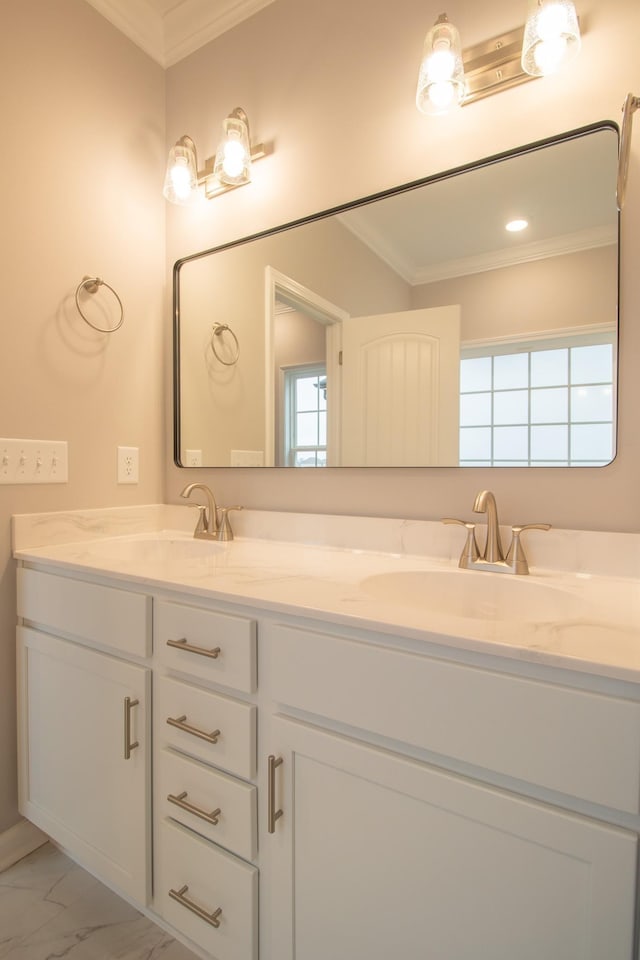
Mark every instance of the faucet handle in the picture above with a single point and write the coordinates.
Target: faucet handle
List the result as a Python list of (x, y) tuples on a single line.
[(203, 520), (470, 551), (515, 554), (224, 527)]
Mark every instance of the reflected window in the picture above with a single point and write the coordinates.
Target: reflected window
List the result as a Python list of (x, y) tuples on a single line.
[(305, 416), (539, 403)]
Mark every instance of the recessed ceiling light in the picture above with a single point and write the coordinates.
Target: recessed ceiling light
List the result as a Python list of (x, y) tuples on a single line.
[(514, 226)]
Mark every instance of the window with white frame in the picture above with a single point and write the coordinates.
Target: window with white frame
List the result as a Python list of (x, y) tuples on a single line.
[(305, 416), (544, 402)]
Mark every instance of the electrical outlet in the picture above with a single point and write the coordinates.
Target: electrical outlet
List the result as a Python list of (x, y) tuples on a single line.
[(194, 458), (128, 464)]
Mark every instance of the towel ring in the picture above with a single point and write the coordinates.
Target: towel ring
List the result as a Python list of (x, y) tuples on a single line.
[(92, 285), (217, 331)]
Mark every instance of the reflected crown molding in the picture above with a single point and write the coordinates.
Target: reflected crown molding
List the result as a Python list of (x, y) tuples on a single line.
[(415, 274)]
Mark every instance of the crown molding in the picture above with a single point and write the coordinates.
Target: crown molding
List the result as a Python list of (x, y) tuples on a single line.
[(196, 22), (526, 253), (183, 30), (415, 275)]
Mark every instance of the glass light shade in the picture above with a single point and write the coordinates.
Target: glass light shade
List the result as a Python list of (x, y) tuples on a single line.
[(233, 156), (181, 179), (441, 85), (551, 37)]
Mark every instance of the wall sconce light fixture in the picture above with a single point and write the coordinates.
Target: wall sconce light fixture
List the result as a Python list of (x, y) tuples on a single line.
[(550, 38), (230, 168)]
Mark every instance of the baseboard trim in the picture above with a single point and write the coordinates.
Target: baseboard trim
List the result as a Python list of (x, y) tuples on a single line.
[(18, 841)]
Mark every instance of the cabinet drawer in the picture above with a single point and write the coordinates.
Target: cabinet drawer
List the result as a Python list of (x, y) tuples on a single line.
[(189, 718), (202, 632), (206, 879), (580, 743), (185, 784), (115, 618)]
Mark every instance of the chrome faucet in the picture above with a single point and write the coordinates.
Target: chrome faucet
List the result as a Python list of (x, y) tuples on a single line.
[(213, 521), (485, 502), (493, 559), (207, 524)]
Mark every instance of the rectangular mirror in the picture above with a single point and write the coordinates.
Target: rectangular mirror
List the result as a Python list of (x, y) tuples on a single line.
[(419, 327)]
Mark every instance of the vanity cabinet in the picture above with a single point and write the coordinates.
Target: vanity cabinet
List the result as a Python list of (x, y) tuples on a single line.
[(84, 729), (380, 847), (206, 839), (371, 797)]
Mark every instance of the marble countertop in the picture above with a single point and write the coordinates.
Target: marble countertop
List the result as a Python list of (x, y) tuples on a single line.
[(588, 618)]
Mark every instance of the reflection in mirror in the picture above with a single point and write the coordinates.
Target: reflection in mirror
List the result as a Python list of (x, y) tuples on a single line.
[(416, 328)]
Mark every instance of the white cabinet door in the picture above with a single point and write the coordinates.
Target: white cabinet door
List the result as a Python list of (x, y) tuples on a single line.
[(378, 856), (76, 781)]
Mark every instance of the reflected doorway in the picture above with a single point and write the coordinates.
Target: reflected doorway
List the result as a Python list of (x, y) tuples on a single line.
[(303, 334)]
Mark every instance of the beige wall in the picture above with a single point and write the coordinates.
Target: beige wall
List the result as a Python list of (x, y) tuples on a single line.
[(573, 290), (82, 161), (332, 85)]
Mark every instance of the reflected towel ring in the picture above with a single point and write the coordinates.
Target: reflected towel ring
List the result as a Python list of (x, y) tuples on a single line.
[(92, 285), (217, 331)]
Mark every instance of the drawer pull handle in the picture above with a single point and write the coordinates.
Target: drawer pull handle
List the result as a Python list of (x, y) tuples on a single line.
[(183, 645), (129, 704), (180, 801), (211, 918), (180, 723), (272, 813)]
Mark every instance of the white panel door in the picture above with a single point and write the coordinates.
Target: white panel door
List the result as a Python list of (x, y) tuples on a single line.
[(400, 388), (377, 856), (75, 781)]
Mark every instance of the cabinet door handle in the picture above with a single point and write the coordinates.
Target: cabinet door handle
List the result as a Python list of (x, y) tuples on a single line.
[(183, 645), (180, 801), (128, 746), (211, 918), (180, 723), (272, 813)]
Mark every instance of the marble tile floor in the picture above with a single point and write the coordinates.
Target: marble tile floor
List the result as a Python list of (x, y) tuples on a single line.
[(51, 909)]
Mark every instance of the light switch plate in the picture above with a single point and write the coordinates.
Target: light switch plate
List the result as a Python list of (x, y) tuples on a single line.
[(33, 461)]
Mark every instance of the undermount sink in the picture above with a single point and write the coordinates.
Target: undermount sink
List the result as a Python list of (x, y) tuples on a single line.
[(154, 548), (477, 596)]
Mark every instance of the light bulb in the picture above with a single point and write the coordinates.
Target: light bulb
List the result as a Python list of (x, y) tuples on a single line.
[(181, 178), (441, 64), (442, 95), (549, 54), (234, 158), (552, 21)]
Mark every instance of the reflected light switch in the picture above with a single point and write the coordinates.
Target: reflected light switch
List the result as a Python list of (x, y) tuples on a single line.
[(247, 458)]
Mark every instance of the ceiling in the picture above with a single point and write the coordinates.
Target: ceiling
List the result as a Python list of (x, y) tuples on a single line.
[(169, 30), (456, 226)]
